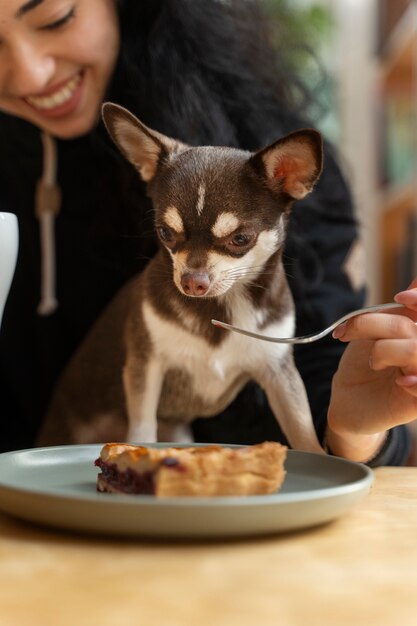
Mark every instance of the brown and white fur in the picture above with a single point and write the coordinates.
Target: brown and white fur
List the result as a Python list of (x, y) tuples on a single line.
[(153, 362)]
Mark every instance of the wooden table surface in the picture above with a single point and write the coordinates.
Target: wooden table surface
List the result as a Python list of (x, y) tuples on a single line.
[(358, 571)]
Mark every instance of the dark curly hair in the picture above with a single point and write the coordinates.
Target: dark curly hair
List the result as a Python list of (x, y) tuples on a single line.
[(205, 71)]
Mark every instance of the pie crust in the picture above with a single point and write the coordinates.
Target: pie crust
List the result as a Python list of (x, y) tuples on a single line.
[(211, 470)]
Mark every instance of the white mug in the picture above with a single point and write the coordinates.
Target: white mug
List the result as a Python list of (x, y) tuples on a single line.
[(9, 243)]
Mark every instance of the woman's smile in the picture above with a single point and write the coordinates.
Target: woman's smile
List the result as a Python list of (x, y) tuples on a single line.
[(61, 99)]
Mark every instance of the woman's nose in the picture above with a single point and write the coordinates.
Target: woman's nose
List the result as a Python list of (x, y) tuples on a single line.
[(30, 69)]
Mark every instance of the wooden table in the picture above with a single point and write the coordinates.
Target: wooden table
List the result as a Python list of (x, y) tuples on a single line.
[(358, 571)]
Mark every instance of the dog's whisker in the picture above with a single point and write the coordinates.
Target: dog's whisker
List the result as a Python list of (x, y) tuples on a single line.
[(258, 286), (245, 267), (237, 274), (244, 272), (243, 275), (248, 272)]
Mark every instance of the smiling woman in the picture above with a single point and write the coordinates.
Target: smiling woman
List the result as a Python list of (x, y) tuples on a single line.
[(56, 59), (203, 72)]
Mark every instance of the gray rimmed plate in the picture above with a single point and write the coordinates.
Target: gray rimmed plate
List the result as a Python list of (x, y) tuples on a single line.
[(56, 486)]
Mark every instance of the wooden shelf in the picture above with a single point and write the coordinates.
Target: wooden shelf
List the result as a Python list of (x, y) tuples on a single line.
[(397, 202), (397, 198), (389, 14), (399, 53), (398, 208)]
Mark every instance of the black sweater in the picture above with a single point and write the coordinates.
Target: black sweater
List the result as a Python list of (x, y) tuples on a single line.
[(104, 235)]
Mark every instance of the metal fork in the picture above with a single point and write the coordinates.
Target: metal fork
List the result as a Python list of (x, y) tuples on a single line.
[(314, 336)]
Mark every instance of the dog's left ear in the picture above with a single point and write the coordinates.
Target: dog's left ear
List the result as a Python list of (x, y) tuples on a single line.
[(291, 165), (142, 146)]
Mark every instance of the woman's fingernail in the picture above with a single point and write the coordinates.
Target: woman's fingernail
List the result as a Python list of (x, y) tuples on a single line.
[(339, 331), (407, 381)]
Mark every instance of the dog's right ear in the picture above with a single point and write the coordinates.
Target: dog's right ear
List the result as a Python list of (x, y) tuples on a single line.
[(143, 147)]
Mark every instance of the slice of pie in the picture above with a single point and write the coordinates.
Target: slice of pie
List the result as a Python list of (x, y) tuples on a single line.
[(193, 471)]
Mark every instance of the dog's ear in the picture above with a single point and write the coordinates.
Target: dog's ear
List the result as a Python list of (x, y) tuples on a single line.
[(293, 164), (143, 147)]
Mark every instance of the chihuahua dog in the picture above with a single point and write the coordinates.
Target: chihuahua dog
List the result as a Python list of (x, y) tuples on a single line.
[(153, 361)]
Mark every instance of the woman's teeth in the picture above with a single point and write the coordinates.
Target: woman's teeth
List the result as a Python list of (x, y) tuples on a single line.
[(58, 98)]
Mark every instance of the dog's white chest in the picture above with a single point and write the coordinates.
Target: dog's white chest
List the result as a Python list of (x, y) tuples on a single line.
[(212, 370)]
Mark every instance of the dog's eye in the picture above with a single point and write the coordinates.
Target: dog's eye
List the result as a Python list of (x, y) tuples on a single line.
[(165, 234), (240, 239)]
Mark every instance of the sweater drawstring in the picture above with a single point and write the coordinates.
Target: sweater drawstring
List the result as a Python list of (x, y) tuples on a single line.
[(47, 206)]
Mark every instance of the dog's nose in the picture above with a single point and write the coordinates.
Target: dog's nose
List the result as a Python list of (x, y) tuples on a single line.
[(195, 283)]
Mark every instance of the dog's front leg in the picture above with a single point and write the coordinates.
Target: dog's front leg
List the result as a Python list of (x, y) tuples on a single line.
[(288, 400), (142, 384)]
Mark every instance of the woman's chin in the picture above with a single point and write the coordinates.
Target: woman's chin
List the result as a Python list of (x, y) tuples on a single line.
[(70, 128)]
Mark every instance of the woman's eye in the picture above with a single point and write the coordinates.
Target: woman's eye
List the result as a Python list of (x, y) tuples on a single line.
[(240, 239), (165, 234), (61, 21)]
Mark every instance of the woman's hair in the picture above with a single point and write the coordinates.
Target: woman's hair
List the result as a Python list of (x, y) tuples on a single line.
[(205, 71)]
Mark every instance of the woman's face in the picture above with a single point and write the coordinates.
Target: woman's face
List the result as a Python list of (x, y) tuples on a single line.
[(56, 60)]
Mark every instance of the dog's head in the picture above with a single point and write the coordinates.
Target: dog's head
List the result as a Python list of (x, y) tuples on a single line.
[(220, 212)]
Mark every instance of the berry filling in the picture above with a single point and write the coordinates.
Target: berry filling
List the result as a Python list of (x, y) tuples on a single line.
[(131, 481)]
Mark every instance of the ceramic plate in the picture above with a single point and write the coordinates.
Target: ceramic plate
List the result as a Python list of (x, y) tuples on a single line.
[(56, 486)]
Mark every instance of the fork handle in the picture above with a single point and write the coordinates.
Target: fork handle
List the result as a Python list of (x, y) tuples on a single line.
[(314, 336)]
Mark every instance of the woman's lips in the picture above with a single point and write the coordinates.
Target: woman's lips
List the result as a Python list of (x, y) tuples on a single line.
[(62, 101)]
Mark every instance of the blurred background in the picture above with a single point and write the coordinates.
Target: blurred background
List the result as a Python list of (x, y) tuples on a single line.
[(364, 75)]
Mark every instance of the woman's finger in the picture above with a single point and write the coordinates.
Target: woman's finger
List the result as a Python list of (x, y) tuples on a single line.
[(401, 353), (408, 298), (377, 326), (408, 383)]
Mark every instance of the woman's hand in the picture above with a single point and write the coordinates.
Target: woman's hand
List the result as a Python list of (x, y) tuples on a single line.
[(375, 386)]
